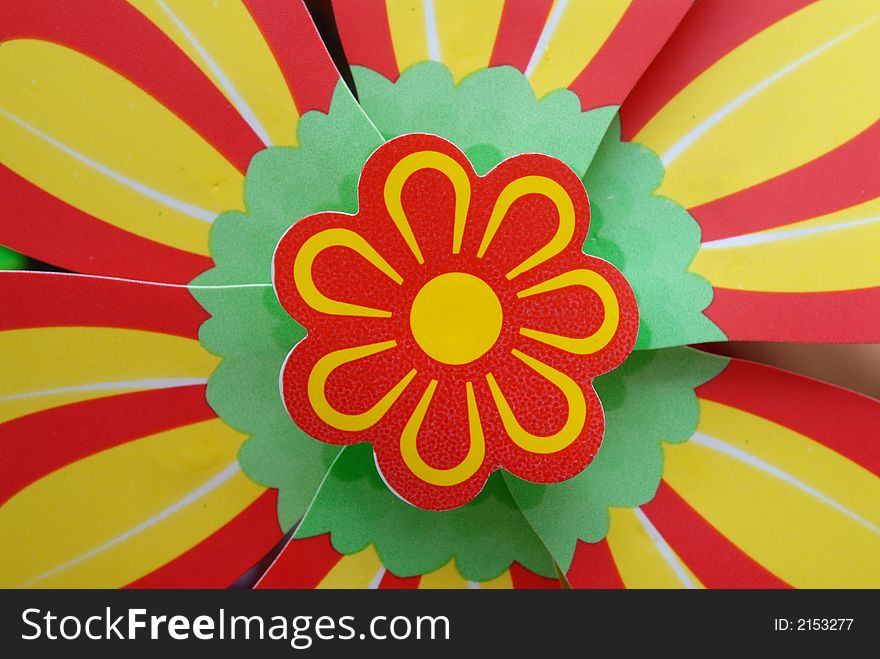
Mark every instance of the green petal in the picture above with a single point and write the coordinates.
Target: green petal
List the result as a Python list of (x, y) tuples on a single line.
[(248, 327), (10, 260), (484, 537), (651, 240), (647, 401), (491, 115)]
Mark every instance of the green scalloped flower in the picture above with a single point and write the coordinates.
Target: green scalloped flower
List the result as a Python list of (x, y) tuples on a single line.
[(10, 260), (491, 115)]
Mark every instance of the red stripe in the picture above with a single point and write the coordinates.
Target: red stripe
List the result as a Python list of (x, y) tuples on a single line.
[(46, 228), (392, 581), (524, 579), (709, 31), (593, 567), (843, 177), (629, 49), (829, 317), (842, 420), (714, 560), (366, 35), (301, 564), (48, 299), (288, 29), (225, 555), (35, 445), (123, 39), (521, 24)]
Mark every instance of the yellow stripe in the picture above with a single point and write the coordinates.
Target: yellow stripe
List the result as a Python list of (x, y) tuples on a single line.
[(640, 563), (226, 32), (86, 505), (502, 582), (839, 478), (805, 112), (406, 20), (56, 357), (111, 122), (582, 30), (796, 263), (447, 577), (353, 571), (467, 32), (798, 537)]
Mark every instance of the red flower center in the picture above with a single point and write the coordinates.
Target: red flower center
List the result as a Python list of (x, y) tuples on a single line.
[(454, 322)]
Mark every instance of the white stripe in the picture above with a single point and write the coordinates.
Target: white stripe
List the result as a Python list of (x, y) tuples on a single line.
[(207, 287), (685, 142), (758, 463), (178, 205), (157, 383), (431, 35), (546, 34), (145, 282), (474, 585), (374, 584), (237, 100), (774, 236), (215, 482), (664, 549)]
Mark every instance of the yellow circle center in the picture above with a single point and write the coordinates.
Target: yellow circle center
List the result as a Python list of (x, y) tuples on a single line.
[(456, 318)]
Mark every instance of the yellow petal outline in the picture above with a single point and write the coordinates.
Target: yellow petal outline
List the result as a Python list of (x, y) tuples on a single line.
[(340, 420), (464, 469), (512, 192), (399, 175), (574, 397), (305, 258), (598, 339)]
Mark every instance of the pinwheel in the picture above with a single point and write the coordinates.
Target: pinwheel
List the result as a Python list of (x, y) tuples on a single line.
[(433, 329)]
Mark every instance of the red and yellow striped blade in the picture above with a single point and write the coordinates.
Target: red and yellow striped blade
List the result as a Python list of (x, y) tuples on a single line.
[(116, 470), (779, 487), (164, 104), (596, 49), (765, 116), (314, 563), (74, 338)]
